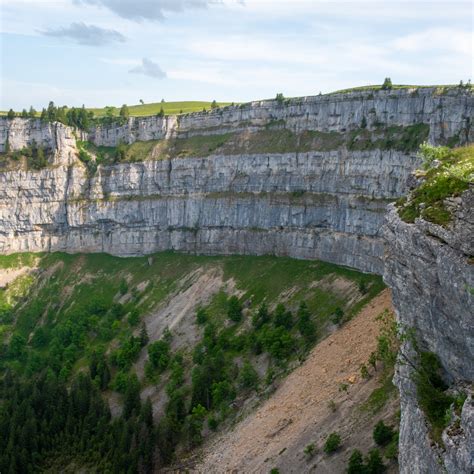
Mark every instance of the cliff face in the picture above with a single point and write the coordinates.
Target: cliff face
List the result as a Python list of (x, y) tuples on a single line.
[(429, 270), (448, 115), (314, 204)]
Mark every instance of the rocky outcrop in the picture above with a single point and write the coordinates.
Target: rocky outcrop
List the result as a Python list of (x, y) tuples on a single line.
[(430, 272), (55, 137)]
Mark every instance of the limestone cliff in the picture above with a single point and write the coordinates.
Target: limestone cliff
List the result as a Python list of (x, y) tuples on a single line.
[(324, 202), (429, 269)]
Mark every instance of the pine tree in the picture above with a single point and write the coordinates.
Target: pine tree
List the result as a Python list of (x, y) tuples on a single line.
[(234, 309), (143, 336), (306, 326), (356, 463), (387, 84), (11, 114), (124, 112)]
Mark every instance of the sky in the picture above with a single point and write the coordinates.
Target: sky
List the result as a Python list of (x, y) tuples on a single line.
[(111, 52)]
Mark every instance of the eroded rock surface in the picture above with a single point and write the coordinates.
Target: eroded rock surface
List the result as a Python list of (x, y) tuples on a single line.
[(430, 272)]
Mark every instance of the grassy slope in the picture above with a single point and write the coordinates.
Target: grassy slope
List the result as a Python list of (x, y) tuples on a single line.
[(170, 108), (68, 287), (449, 179)]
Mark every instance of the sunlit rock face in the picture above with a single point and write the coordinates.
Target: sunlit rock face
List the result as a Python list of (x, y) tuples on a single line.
[(429, 269), (326, 205)]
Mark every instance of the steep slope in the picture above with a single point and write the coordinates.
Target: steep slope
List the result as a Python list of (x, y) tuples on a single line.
[(307, 177), (299, 413), (430, 269), (199, 337)]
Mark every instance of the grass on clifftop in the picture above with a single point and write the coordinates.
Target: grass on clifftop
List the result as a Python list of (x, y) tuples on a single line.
[(448, 173), (169, 108)]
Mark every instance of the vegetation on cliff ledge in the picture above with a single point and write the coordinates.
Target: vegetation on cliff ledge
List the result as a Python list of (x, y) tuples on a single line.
[(447, 174)]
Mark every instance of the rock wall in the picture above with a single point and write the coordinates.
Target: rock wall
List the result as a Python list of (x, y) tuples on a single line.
[(449, 113), (326, 205), (429, 269)]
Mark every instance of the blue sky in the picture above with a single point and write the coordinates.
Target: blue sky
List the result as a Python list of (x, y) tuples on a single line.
[(109, 52)]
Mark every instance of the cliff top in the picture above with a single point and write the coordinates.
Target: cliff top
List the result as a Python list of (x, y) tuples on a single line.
[(447, 174), (186, 107)]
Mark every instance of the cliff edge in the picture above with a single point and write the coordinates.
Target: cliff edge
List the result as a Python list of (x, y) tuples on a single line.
[(429, 267)]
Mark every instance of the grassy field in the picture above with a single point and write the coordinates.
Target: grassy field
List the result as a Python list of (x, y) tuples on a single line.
[(142, 110), (377, 87), (170, 108)]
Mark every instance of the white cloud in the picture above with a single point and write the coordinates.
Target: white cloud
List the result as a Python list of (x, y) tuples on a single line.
[(149, 68), (89, 35), (138, 10), (437, 39)]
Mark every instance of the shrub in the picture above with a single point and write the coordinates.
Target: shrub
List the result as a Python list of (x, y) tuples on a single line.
[(374, 462), (430, 390), (234, 309), (212, 423), (261, 317), (159, 355), (283, 317), (364, 372), (134, 317), (383, 433), (123, 288), (201, 316), (356, 463), (332, 444), (391, 451), (306, 326), (336, 318), (310, 450), (248, 377)]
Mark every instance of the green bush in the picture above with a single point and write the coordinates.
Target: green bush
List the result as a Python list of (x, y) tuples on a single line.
[(201, 316), (248, 377), (337, 316), (159, 355), (234, 309), (430, 392), (391, 451), (374, 462), (261, 317), (383, 433), (356, 463), (332, 444), (283, 317), (310, 450), (306, 325)]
